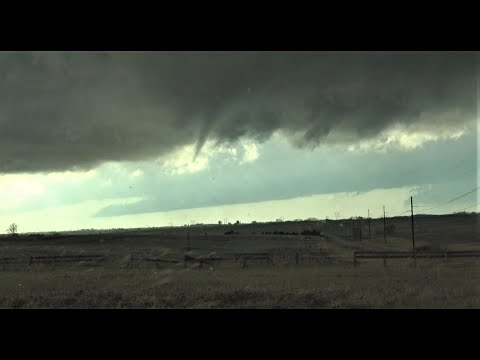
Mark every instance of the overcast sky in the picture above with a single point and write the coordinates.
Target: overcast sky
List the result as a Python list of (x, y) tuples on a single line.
[(128, 139)]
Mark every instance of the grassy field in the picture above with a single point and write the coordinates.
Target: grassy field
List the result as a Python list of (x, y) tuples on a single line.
[(325, 284)]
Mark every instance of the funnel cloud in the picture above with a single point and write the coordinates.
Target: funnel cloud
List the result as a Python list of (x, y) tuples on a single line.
[(75, 110)]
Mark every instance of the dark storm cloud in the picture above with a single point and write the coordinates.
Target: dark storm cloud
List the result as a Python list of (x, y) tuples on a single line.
[(74, 110)]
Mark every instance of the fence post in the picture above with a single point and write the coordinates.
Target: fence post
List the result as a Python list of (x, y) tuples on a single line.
[(270, 258)]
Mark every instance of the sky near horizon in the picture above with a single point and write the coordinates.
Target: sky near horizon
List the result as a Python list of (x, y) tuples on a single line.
[(125, 139)]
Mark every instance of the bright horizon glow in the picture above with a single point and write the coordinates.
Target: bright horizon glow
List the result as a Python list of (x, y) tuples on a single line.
[(318, 206)]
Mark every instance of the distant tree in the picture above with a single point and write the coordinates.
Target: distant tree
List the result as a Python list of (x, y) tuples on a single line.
[(12, 229)]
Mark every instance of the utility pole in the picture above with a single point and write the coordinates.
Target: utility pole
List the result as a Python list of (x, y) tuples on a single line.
[(413, 234), (368, 224), (360, 227), (353, 229), (384, 232)]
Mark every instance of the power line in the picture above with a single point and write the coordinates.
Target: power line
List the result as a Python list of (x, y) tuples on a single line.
[(469, 207), (448, 202), (398, 214)]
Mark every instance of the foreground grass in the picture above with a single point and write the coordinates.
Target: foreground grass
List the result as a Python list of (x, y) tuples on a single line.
[(332, 286)]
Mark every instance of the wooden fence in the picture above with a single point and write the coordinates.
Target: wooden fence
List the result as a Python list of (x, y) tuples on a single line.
[(156, 260), (52, 259), (445, 255), (242, 258)]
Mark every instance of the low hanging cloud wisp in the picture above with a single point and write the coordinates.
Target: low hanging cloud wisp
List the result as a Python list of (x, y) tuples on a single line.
[(68, 111)]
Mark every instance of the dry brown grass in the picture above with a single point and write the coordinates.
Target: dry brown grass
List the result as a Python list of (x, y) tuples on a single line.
[(332, 286), (316, 285)]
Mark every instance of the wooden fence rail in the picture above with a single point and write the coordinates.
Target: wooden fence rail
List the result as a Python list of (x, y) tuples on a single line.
[(156, 260), (244, 257), (198, 259), (411, 254), (67, 257), (211, 260), (52, 259), (238, 256)]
